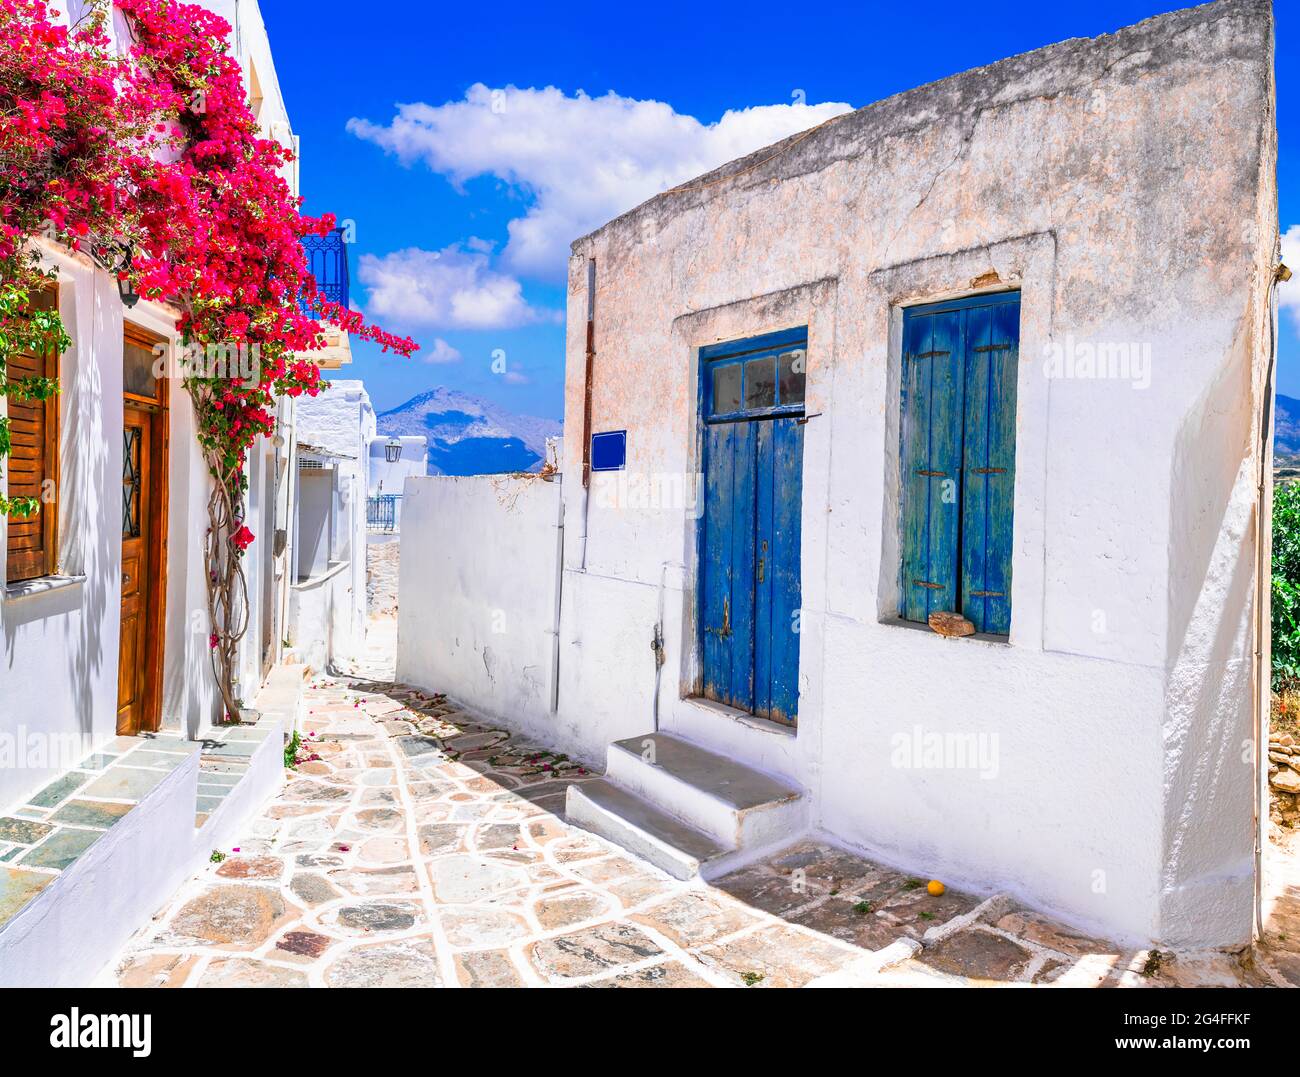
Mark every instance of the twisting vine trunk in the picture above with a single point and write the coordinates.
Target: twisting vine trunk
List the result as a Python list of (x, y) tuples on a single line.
[(227, 587)]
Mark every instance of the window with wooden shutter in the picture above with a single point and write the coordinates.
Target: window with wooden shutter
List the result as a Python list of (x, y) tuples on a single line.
[(32, 466), (958, 459)]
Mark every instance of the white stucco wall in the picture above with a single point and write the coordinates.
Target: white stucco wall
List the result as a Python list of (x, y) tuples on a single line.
[(476, 590), (1126, 187)]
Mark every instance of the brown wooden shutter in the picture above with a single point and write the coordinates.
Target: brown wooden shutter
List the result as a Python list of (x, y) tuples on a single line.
[(33, 458)]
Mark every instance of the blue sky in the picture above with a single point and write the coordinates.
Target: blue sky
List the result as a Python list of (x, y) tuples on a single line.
[(463, 208)]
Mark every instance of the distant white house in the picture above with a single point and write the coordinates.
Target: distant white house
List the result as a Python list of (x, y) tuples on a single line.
[(333, 433), (393, 460)]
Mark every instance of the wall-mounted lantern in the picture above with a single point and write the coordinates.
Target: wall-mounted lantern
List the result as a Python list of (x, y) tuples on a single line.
[(117, 259), (125, 285), (393, 450)]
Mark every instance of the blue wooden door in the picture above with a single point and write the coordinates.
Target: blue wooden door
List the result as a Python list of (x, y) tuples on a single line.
[(749, 587), (958, 459)]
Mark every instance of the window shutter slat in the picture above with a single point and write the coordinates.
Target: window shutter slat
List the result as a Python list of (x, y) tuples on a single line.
[(33, 458), (990, 458), (931, 458)]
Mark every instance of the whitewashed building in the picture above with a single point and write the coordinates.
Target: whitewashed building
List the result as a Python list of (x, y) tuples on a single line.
[(392, 461), (327, 619), (998, 346), (395, 459), (115, 780)]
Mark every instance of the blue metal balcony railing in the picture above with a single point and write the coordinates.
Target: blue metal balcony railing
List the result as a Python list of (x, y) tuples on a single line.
[(383, 512), (327, 258)]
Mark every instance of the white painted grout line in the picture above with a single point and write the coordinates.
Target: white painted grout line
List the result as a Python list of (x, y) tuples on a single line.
[(991, 907), (423, 878)]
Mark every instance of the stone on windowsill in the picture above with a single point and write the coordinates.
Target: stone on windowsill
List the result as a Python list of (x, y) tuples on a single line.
[(952, 625)]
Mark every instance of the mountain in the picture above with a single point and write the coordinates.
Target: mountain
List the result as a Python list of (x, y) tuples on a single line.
[(469, 435), (1286, 426)]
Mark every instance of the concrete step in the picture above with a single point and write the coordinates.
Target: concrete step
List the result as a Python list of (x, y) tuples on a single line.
[(93, 855), (738, 807), (642, 829)]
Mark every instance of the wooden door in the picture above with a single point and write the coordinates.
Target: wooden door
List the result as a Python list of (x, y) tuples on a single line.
[(137, 491), (749, 586)]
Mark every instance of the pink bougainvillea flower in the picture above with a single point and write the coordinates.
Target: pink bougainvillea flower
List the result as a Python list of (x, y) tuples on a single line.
[(243, 538)]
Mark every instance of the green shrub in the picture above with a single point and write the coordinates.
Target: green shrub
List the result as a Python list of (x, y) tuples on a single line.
[(1286, 585), (291, 750)]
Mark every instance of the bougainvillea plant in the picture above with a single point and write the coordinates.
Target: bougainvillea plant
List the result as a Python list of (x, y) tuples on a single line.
[(62, 120), (151, 162)]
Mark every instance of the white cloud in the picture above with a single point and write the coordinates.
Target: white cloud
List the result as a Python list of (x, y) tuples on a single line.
[(1288, 294), (439, 352), (583, 160), (454, 288)]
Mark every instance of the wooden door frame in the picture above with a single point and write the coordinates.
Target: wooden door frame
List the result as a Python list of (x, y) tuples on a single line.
[(734, 350), (156, 565)]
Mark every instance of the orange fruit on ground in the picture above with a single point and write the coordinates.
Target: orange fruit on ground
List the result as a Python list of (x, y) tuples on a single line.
[(935, 887)]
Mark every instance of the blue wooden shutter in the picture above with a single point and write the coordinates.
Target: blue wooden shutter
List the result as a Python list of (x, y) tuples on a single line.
[(993, 334), (933, 387)]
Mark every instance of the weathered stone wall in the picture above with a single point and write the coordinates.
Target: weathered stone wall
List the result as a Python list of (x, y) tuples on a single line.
[(1126, 186), (383, 559)]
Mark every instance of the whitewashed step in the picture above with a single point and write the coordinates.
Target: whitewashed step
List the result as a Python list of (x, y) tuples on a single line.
[(738, 807), (640, 828)]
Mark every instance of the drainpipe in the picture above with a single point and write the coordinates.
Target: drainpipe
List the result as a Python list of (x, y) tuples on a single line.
[(586, 410), (657, 641), (1263, 586), (559, 592)]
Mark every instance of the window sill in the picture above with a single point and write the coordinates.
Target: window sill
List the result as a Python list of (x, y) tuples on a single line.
[(306, 583), (986, 638), (39, 586)]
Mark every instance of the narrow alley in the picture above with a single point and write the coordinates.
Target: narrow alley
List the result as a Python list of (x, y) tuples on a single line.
[(414, 846)]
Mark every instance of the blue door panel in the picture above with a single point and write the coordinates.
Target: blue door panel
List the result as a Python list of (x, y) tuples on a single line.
[(749, 589), (741, 534), (715, 562), (764, 558), (781, 574), (727, 598)]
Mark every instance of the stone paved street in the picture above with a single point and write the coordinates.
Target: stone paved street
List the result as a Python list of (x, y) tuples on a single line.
[(421, 848)]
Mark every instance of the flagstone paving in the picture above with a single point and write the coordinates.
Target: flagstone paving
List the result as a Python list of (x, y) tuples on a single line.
[(415, 846)]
